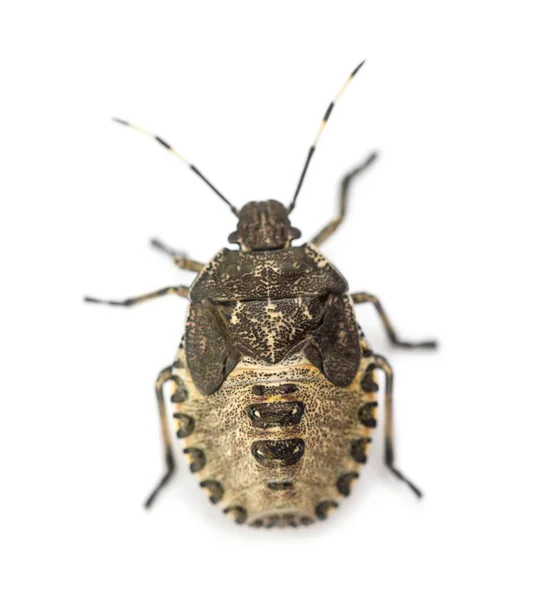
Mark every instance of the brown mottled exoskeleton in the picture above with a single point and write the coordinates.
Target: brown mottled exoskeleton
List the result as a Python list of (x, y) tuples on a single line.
[(274, 384)]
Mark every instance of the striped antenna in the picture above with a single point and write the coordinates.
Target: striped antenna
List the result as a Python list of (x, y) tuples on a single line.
[(322, 125), (178, 155)]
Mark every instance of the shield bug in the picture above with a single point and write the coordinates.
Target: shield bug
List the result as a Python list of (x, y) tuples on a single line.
[(274, 385)]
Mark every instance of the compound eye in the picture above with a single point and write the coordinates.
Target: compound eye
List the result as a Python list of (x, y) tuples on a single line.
[(294, 233), (234, 238)]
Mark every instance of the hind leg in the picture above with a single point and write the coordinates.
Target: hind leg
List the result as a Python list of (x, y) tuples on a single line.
[(170, 464), (362, 297), (332, 226), (382, 364)]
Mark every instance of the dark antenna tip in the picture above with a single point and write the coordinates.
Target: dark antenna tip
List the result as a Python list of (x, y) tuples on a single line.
[(320, 130), (374, 155), (358, 67)]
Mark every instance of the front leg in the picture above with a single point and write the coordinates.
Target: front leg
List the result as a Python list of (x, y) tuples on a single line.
[(180, 290), (180, 258), (362, 297), (333, 225)]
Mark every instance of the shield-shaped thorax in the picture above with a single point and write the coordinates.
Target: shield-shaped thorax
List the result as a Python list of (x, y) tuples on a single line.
[(267, 305)]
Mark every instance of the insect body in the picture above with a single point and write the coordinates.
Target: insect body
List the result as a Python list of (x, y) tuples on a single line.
[(274, 384)]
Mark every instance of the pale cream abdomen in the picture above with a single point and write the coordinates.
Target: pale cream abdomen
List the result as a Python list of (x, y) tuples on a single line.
[(277, 444)]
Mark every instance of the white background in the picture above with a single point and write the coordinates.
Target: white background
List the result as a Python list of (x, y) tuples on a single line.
[(443, 229)]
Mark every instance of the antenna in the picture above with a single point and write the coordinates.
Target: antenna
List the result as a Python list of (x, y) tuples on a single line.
[(322, 125), (178, 155)]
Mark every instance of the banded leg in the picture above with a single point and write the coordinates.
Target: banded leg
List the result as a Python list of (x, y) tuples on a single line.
[(362, 297), (331, 227), (180, 290), (381, 363), (170, 464), (179, 258)]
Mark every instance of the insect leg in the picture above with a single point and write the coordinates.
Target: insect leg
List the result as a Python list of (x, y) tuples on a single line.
[(180, 259), (330, 228), (381, 363), (362, 297), (180, 290), (164, 376)]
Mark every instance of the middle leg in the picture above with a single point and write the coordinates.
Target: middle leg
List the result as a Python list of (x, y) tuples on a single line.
[(362, 297), (180, 290), (330, 228)]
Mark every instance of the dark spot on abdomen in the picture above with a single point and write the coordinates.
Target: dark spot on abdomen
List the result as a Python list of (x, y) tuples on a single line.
[(344, 483), (275, 414), (278, 486), (278, 453), (367, 383), (324, 507), (287, 388), (198, 459), (358, 449), (186, 424), (216, 490), (366, 414), (257, 524), (180, 394), (239, 513)]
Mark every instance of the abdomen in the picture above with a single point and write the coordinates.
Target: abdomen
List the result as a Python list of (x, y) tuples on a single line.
[(277, 444)]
